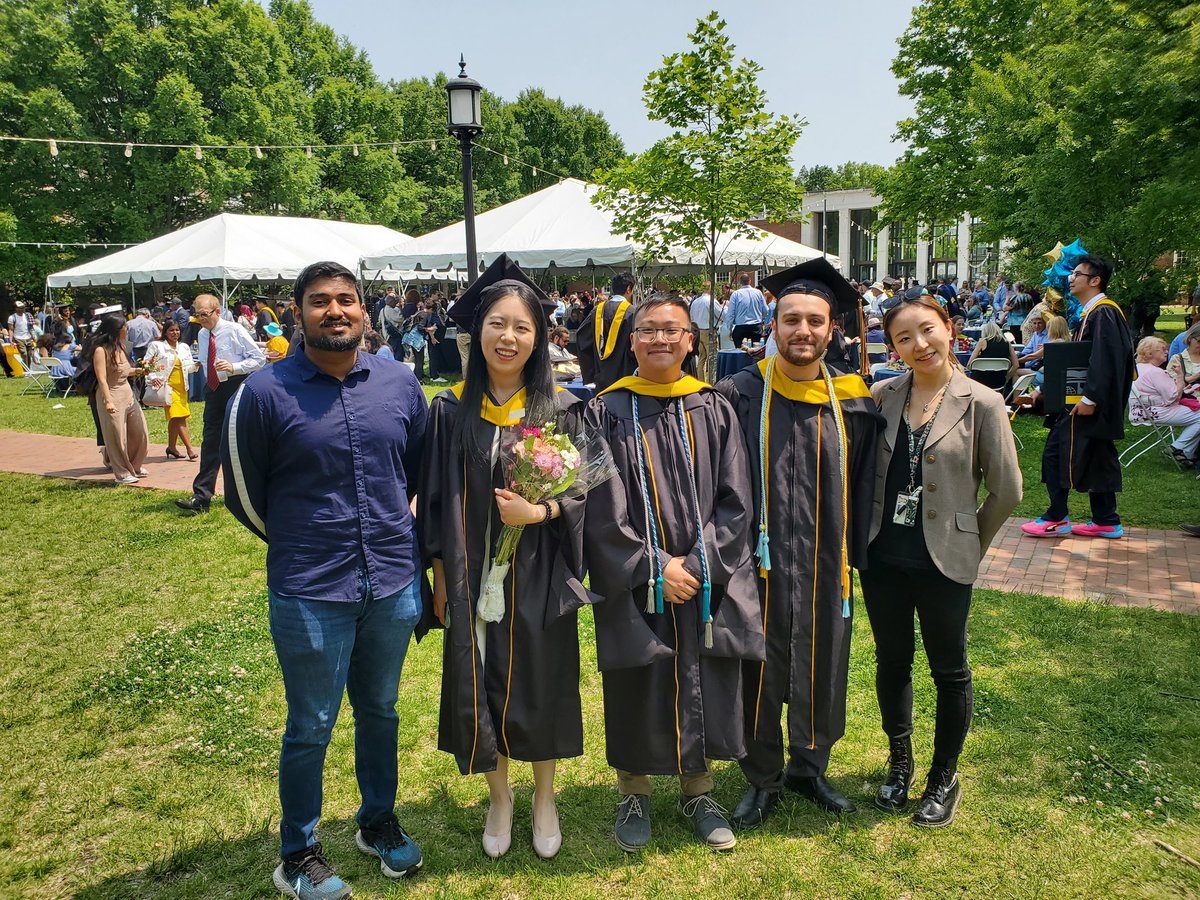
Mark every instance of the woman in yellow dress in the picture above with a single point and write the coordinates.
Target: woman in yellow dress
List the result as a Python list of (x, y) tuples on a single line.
[(173, 357)]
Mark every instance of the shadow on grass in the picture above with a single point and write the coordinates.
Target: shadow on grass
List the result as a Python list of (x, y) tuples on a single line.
[(449, 833)]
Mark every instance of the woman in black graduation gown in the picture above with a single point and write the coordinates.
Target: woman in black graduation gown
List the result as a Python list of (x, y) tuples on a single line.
[(510, 689)]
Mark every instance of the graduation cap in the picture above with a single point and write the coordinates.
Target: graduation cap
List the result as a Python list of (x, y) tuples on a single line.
[(501, 272), (817, 276)]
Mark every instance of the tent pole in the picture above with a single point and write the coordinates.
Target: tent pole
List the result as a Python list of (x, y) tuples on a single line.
[(224, 294), (132, 295)]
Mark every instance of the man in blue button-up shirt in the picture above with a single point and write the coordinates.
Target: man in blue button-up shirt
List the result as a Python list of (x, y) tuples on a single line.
[(321, 453), (747, 312)]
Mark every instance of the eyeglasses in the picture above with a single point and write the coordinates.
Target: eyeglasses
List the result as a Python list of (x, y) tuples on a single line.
[(671, 335), (1082, 274)]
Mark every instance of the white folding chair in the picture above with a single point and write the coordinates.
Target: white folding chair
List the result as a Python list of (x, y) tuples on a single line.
[(37, 376), (877, 350), (989, 364), (1156, 434), (58, 372)]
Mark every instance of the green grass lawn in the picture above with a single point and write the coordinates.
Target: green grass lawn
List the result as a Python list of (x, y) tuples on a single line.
[(140, 709)]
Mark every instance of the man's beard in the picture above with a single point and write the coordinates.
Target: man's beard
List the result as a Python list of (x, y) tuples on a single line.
[(333, 344), (799, 356)]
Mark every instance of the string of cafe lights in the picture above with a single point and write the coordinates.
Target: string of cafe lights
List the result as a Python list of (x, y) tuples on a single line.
[(260, 150)]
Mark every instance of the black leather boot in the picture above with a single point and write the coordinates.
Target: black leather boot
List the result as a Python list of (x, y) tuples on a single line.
[(940, 800), (893, 793)]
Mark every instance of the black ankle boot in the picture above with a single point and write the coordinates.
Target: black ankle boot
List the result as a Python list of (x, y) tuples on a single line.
[(893, 793), (940, 800)]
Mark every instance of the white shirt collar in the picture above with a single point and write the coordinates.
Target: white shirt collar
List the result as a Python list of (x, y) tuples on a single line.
[(1100, 296)]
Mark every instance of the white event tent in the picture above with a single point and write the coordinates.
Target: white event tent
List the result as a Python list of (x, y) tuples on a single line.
[(233, 248), (560, 229)]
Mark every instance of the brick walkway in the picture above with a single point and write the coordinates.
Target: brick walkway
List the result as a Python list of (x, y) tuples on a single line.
[(79, 458), (1147, 568)]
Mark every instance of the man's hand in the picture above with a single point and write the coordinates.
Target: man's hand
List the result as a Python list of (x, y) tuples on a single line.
[(223, 365), (1083, 409), (678, 583)]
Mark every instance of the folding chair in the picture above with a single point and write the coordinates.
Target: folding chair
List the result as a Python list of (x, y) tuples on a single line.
[(37, 376), (877, 352), (1156, 434), (59, 373), (990, 365)]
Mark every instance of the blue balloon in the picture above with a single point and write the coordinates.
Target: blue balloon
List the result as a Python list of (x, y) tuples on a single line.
[(1073, 251)]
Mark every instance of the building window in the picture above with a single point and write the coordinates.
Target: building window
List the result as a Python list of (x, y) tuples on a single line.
[(902, 250), (943, 251), (827, 232), (863, 244), (985, 255)]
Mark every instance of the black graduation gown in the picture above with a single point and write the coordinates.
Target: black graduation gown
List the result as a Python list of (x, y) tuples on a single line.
[(523, 701), (808, 640), (669, 702), (621, 362), (1086, 457)]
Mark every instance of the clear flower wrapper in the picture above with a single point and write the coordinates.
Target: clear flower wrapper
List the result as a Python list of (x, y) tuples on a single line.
[(541, 462)]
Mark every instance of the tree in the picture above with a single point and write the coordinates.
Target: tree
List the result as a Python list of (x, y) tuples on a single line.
[(1081, 122), (228, 72), (726, 160), (846, 177)]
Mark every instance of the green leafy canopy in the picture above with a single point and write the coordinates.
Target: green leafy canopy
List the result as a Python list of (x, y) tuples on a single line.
[(726, 160)]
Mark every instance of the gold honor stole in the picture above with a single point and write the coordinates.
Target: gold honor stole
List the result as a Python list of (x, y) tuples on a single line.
[(1072, 399), (510, 413), (605, 346), (685, 386), (846, 387)]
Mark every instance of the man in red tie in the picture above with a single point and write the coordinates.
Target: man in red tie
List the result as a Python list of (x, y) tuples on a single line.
[(228, 354)]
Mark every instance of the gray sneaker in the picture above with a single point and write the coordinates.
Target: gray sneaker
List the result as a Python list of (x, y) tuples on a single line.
[(708, 821), (632, 830)]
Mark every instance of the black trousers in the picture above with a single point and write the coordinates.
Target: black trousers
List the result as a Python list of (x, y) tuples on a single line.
[(893, 594), (741, 332), (1056, 474), (215, 404), (763, 763)]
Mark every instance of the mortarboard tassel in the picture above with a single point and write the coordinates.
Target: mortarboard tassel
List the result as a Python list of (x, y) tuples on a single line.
[(763, 552), (708, 635), (706, 610), (650, 596), (845, 592), (658, 595)]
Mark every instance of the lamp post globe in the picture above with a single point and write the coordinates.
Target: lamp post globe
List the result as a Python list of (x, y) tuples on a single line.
[(464, 121)]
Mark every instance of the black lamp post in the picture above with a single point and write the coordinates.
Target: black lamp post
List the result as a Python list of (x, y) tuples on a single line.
[(465, 122)]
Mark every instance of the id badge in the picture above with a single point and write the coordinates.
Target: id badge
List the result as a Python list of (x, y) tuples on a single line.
[(906, 508)]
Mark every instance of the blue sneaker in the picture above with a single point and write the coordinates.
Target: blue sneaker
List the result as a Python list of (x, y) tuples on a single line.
[(1091, 529), (307, 876), (398, 854)]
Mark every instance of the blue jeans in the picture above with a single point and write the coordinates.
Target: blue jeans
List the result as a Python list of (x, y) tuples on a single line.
[(325, 648)]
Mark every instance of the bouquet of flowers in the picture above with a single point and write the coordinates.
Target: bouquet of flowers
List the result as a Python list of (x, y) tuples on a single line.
[(158, 392), (541, 463)]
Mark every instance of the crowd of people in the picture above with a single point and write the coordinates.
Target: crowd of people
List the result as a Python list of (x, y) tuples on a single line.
[(717, 559)]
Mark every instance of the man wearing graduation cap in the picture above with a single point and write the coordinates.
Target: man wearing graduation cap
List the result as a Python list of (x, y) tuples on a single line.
[(810, 433), (668, 548), (605, 351)]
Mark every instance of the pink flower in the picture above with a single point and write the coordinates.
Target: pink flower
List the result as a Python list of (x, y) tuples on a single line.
[(549, 463), (533, 431)]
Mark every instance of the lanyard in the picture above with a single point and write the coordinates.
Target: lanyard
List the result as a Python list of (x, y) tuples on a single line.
[(916, 442)]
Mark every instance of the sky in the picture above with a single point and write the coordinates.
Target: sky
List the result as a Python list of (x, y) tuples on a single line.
[(827, 62)]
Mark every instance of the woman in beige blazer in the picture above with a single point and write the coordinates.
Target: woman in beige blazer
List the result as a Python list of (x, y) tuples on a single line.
[(945, 435)]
